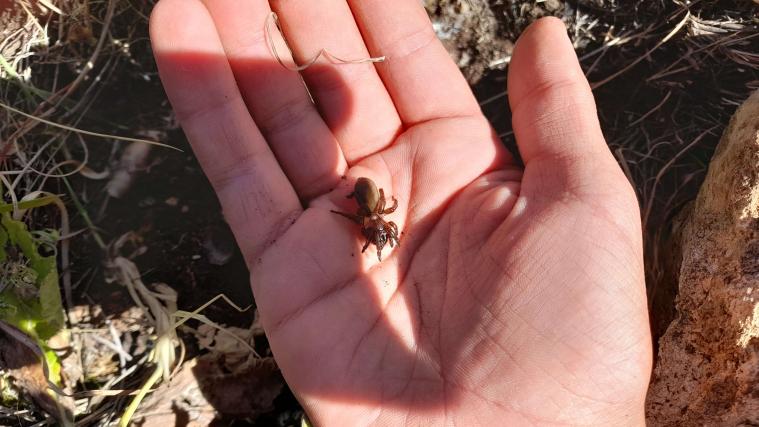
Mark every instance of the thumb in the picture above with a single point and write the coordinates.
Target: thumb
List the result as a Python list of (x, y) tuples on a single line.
[(554, 116)]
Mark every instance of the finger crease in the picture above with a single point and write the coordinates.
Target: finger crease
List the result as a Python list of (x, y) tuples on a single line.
[(287, 116), (221, 177), (409, 44), (208, 107), (243, 47), (540, 91)]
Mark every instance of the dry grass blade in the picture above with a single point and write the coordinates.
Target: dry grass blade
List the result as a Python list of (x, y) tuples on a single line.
[(51, 6), (322, 52), (653, 110), (86, 132), (629, 66), (161, 311)]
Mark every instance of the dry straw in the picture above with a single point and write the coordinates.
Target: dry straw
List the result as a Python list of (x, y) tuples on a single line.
[(323, 52)]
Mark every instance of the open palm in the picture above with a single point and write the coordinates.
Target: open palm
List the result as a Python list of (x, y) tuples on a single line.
[(516, 296)]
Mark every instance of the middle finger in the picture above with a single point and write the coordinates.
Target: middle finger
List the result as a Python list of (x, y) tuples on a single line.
[(351, 97), (303, 143)]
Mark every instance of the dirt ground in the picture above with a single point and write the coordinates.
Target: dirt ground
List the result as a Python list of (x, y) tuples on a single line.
[(666, 77)]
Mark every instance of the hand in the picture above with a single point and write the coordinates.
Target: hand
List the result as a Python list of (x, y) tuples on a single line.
[(516, 297)]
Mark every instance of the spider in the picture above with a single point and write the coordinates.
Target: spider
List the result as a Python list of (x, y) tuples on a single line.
[(371, 207)]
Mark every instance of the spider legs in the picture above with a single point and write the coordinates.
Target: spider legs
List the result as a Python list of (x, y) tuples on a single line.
[(383, 202), (391, 209), (393, 233), (379, 249)]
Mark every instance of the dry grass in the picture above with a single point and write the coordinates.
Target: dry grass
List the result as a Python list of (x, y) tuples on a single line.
[(55, 66), (666, 87)]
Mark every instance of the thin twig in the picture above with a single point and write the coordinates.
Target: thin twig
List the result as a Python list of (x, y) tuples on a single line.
[(651, 111), (86, 132), (671, 34), (664, 169)]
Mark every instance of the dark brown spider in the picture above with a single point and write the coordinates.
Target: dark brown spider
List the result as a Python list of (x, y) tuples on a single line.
[(371, 207)]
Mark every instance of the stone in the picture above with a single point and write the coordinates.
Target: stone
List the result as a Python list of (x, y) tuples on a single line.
[(707, 371), (472, 35)]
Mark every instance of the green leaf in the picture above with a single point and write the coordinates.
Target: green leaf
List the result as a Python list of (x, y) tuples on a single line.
[(41, 317), (50, 302), (20, 237), (28, 326), (7, 309), (53, 365), (3, 241), (19, 313), (44, 266), (28, 204)]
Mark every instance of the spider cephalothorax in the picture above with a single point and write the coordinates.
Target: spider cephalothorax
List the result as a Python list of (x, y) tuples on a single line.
[(371, 207)]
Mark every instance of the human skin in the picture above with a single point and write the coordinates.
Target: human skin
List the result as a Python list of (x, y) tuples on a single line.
[(517, 296)]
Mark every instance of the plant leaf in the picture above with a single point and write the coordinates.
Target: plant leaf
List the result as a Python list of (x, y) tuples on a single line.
[(47, 313), (50, 302), (28, 204), (3, 241), (20, 237), (53, 365)]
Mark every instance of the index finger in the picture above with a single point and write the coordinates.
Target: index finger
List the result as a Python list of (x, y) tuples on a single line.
[(257, 198), (300, 139)]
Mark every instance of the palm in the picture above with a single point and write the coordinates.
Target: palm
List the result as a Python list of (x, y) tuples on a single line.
[(513, 297), (476, 276)]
